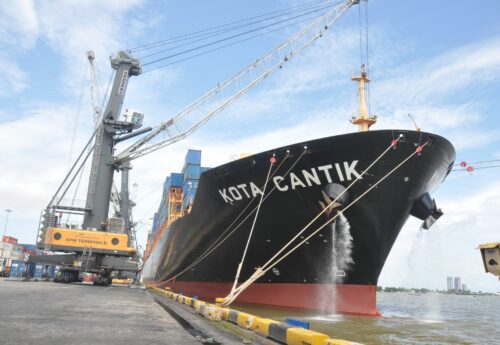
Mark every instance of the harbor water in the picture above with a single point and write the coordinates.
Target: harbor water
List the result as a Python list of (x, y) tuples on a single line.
[(407, 319)]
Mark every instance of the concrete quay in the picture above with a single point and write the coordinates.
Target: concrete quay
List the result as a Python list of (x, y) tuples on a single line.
[(49, 313)]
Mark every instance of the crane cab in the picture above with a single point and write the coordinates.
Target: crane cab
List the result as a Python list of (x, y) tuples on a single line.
[(134, 117)]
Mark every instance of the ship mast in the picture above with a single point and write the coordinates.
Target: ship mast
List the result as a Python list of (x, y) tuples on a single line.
[(363, 120)]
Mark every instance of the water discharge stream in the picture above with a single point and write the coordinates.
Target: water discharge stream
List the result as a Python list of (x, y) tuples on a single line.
[(340, 258)]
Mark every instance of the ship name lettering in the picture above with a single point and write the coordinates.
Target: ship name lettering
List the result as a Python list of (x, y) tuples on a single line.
[(277, 180), (235, 193), (339, 172), (345, 171), (350, 170), (324, 169), (296, 181), (255, 190), (311, 177), (223, 193), (243, 187)]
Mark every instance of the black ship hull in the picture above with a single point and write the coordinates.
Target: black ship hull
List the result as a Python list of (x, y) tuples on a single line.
[(335, 270)]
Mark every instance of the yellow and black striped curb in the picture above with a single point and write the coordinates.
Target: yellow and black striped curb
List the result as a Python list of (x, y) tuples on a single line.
[(268, 328)]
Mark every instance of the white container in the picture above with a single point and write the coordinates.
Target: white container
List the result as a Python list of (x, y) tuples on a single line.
[(7, 247)]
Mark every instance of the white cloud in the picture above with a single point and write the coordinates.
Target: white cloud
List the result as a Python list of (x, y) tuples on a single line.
[(431, 81), (19, 25), (13, 79)]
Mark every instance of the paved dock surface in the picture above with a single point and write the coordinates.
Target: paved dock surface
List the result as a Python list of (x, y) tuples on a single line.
[(48, 313)]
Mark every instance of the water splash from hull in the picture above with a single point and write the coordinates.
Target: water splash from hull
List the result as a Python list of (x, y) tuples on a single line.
[(340, 261)]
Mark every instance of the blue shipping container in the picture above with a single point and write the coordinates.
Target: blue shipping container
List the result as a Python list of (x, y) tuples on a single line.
[(193, 157), (191, 172), (203, 169), (51, 271), (38, 271), (189, 192), (31, 269), (29, 246), (176, 179), (166, 186), (16, 268)]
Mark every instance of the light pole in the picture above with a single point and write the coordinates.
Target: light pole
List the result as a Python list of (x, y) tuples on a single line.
[(7, 211)]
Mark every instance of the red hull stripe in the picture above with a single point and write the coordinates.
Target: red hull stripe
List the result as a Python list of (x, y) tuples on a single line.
[(343, 298)]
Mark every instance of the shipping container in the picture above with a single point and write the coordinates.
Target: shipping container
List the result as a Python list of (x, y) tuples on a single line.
[(6, 247), (17, 269), (10, 239), (203, 169), (191, 172), (176, 180), (16, 255), (166, 186), (13, 270), (38, 271), (193, 157), (29, 246), (31, 269), (50, 271), (189, 192)]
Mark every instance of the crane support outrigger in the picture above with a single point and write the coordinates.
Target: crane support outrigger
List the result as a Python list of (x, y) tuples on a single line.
[(102, 244)]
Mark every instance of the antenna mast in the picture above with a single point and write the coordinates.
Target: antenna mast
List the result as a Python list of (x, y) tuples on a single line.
[(363, 120)]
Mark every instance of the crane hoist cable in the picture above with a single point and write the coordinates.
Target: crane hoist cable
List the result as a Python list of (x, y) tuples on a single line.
[(205, 52), (223, 39), (77, 117), (221, 32), (55, 196), (227, 26)]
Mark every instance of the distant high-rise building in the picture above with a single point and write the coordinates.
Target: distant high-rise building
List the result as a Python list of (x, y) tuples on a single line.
[(449, 283), (458, 284), (464, 287)]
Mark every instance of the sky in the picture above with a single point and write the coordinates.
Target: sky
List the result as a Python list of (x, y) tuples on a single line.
[(439, 61)]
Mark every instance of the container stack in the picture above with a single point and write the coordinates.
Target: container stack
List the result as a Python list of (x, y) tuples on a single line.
[(191, 172), (10, 251), (13, 260), (179, 191)]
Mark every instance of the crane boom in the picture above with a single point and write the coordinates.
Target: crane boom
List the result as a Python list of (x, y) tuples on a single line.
[(227, 92)]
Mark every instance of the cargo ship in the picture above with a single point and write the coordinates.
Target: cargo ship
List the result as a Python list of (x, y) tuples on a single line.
[(376, 178)]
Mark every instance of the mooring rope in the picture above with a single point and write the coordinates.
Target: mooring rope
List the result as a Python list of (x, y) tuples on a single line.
[(238, 271), (216, 244), (260, 271)]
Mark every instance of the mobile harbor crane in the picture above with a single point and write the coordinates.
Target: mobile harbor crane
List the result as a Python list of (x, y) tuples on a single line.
[(103, 244)]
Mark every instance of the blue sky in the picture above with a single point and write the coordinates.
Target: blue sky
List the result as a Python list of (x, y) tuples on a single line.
[(439, 60)]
